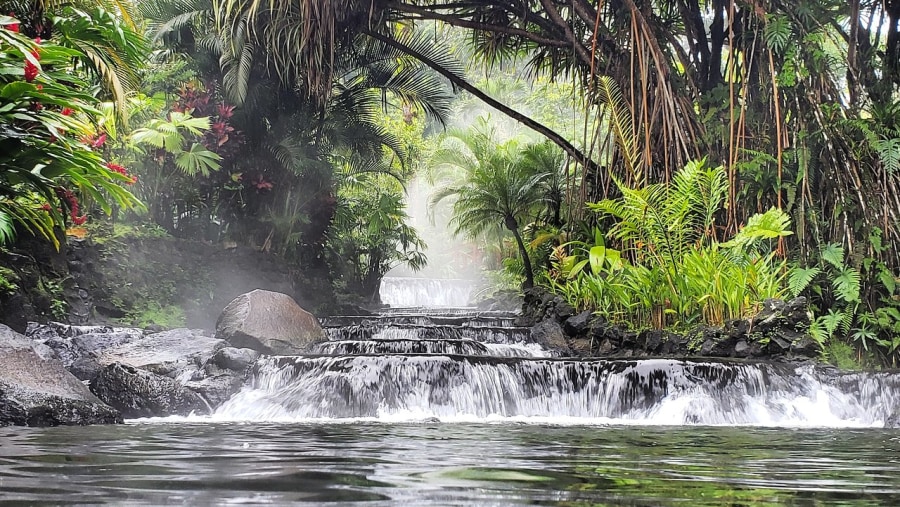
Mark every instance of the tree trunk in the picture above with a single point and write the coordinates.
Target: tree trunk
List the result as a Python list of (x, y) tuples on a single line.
[(459, 81), (513, 226)]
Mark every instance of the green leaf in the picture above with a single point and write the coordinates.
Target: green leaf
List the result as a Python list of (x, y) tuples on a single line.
[(800, 278), (833, 254), (847, 285), (888, 280), (777, 32), (15, 90), (197, 159)]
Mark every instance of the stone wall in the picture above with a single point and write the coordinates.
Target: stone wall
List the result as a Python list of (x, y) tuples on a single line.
[(779, 331)]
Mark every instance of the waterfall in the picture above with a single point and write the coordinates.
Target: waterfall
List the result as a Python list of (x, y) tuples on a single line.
[(426, 292), (459, 367)]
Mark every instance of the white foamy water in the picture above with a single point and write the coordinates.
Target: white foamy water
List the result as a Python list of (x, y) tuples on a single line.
[(650, 392), (426, 292)]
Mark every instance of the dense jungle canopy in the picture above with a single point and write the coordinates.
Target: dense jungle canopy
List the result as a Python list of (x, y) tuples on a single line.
[(692, 141)]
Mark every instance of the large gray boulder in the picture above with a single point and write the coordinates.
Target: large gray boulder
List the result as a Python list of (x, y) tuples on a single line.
[(35, 391), (268, 322)]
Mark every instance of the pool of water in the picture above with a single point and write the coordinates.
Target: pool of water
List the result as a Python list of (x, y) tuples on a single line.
[(185, 463)]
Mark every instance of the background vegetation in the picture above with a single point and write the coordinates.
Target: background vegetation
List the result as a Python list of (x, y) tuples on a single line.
[(663, 162)]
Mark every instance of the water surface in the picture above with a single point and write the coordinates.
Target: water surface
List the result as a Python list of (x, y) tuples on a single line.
[(447, 464)]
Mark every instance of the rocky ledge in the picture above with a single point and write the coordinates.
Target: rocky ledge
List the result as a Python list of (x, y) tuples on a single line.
[(67, 374), (780, 331), (38, 391)]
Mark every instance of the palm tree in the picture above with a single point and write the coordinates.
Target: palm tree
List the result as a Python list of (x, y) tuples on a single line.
[(547, 158), (498, 188)]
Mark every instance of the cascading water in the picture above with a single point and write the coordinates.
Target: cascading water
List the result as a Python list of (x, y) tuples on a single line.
[(426, 292), (479, 367)]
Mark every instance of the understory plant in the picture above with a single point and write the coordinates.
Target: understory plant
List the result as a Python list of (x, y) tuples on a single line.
[(855, 305), (660, 263)]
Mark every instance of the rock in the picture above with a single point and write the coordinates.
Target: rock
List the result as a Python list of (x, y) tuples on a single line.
[(85, 350), (170, 353), (715, 344), (805, 346), (562, 309), (35, 391), (741, 349), (778, 314), (216, 389), (797, 313), (606, 348), (550, 335), (504, 300), (778, 345), (581, 347), (230, 358), (737, 328), (651, 339), (629, 340), (893, 420), (578, 324), (79, 346), (772, 310), (268, 322), (138, 393), (85, 368), (601, 330)]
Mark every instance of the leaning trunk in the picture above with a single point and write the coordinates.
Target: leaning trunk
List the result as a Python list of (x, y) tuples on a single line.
[(513, 226)]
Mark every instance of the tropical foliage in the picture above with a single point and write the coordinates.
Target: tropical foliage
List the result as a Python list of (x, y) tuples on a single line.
[(669, 268), (44, 114), (282, 125)]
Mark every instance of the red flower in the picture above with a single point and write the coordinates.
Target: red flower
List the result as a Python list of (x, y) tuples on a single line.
[(45, 207), (66, 111), (97, 142), (261, 184), (121, 170), (31, 71), (12, 27), (69, 197), (225, 111), (116, 168)]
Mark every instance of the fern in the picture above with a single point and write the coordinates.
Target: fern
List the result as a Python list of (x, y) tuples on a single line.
[(833, 254), (847, 285), (800, 278), (622, 125), (836, 320), (889, 152)]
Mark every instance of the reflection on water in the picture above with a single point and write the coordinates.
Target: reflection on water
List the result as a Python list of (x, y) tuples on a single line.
[(447, 464)]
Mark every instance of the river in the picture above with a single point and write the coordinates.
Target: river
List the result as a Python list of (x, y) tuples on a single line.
[(459, 407), (504, 463)]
